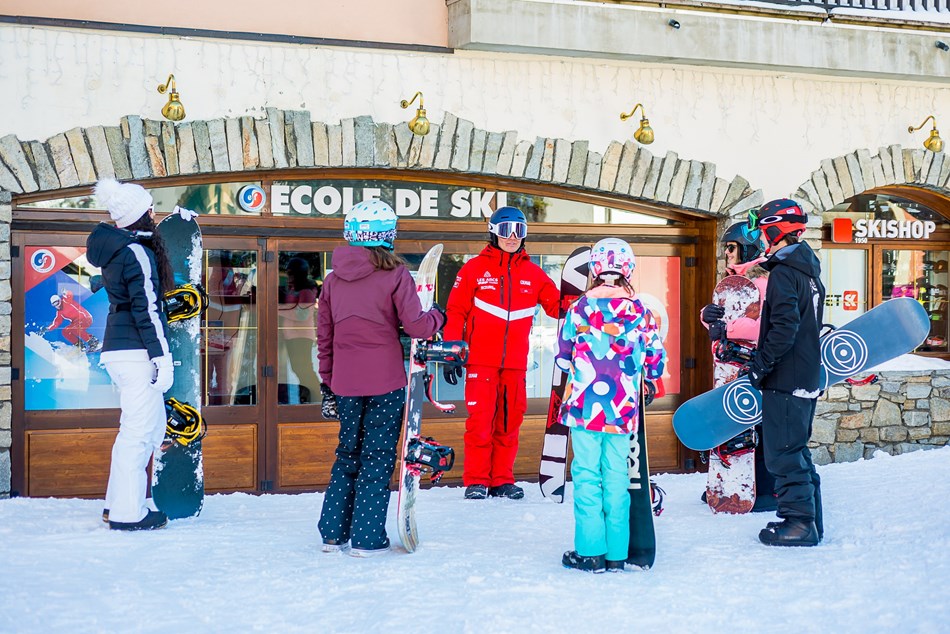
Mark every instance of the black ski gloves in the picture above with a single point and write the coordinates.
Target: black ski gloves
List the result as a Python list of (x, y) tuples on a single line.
[(649, 392), (329, 408), (441, 310), (757, 372), (717, 330), (451, 374), (712, 313)]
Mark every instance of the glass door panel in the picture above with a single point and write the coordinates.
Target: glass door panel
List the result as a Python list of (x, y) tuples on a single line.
[(298, 291)]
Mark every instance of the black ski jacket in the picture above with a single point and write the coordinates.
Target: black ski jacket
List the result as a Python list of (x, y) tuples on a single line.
[(136, 317), (791, 321)]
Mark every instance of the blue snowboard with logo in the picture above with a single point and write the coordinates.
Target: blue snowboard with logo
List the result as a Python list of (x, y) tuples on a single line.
[(886, 331), (177, 469)]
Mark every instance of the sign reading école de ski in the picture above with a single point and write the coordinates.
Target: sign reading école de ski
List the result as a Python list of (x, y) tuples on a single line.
[(416, 200)]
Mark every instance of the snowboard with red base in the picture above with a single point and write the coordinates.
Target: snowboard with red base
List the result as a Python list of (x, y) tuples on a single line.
[(730, 481), (417, 453), (552, 472)]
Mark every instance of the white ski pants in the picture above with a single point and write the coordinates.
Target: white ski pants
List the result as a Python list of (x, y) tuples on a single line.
[(141, 430)]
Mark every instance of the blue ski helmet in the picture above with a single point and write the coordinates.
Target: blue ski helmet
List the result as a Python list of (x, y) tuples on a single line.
[(505, 222), (371, 223), (748, 236)]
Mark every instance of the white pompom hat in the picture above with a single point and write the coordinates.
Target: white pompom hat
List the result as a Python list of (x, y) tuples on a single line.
[(126, 202)]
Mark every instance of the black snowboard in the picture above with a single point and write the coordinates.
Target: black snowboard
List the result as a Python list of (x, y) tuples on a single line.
[(177, 470), (642, 549)]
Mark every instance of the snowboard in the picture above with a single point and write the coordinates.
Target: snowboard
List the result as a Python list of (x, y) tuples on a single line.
[(888, 330), (552, 472), (177, 471), (730, 480), (642, 549), (412, 417)]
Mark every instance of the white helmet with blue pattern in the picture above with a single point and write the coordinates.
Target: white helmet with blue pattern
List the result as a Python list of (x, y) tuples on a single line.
[(371, 223), (612, 258)]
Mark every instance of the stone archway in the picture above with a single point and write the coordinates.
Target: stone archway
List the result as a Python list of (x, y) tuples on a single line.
[(143, 150), (841, 178)]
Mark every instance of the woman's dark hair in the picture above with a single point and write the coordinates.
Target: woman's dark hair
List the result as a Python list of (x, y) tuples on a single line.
[(166, 277), (384, 260)]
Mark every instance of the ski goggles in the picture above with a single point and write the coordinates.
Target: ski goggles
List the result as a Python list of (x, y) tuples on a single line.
[(508, 229)]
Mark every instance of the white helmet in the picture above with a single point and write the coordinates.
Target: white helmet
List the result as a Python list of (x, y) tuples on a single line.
[(371, 223), (612, 256), (55, 299)]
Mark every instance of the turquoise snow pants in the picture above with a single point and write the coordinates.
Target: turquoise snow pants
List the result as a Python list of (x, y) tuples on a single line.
[(601, 501)]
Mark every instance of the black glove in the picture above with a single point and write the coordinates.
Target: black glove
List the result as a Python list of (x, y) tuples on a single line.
[(451, 374), (757, 371), (329, 408), (717, 330), (441, 310), (712, 313), (649, 392)]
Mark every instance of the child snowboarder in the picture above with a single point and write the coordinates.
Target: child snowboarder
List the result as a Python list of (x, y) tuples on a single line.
[(365, 299), (608, 342)]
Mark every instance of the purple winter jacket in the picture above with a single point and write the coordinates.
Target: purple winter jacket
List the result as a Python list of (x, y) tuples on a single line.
[(358, 318)]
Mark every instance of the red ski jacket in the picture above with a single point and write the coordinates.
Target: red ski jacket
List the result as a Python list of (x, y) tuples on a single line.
[(70, 310), (492, 305)]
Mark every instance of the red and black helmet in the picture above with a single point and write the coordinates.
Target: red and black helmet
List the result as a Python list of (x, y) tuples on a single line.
[(780, 218)]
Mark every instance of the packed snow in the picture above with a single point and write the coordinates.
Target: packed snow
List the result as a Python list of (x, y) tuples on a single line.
[(910, 363), (253, 563)]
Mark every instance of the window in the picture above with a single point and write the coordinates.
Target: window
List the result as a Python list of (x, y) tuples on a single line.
[(922, 275)]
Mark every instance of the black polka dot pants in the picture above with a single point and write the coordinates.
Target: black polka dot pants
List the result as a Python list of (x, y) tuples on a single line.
[(356, 503)]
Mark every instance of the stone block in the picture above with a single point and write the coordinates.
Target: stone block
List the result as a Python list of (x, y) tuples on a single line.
[(918, 390), (4, 473), (506, 155), (821, 188), (187, 157), (823, 431), (532, 169), (736, 190), (335, 145), (265, 144), (849, 452), (462, 150), (138, 156), (708, 187), (653, 177), (303, 137), (62, 160), (854, 168), (641, 169), (492, 150), (893, 434), (169, 148), (694, 183), (821, 456), (577, 166), (592, 176), (609, 166), (250, 152), (85, 170), (385, 153), (866, 392), (870, 434), (886, 414), (562, 160), (233, 140), (867, 168), (678, 183), (665, 179), (45, 172), (428, 146), (219, 145), (365, 133), (844, 177), (348, 130), (824, 407), (625, 169), (847, 435), (403, 141), (443, 155), (877, 168), (477, 156), (520, 160), (918, 433), (854, 421), (831, 180), (11, 152), (275, 121), (940, 409), (837, 392), (156, 160)]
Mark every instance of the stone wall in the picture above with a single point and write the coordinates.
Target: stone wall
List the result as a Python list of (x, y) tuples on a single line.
[(902, 412)]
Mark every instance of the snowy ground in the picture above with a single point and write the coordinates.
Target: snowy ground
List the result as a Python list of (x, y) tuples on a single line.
[(252, 563)]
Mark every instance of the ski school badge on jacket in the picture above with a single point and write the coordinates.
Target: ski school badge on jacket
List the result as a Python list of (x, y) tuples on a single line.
[(602, 394)]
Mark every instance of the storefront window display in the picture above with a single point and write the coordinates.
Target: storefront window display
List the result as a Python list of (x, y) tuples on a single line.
[(923, 276)]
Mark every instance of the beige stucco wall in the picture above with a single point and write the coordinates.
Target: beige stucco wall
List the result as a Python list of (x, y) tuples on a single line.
[(400, 21), (774, 129)]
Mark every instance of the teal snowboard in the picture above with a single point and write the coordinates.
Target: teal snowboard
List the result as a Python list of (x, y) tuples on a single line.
[(177, 470), (886, 331)]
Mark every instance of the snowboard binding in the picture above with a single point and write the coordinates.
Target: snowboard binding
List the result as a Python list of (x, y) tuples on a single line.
[(185, 302), (184, 423), (656, 498), (451, 353), (425, 454), (727, 351), (738, 446)]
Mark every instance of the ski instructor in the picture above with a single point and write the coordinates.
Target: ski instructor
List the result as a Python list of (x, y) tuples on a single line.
[(786, 369), (492, 306)]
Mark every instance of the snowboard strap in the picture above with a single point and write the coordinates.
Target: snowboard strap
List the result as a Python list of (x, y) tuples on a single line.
[(656, 498), (868, 380), (442, 407), (185, 301), (184, 423), (739, 446), (425, 454)]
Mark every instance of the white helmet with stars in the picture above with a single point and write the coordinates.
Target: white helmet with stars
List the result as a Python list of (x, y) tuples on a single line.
[(612, 257)]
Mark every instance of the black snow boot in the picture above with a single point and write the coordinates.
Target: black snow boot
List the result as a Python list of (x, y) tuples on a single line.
[(476, 492), (789, 532), (615, 566), (510, 491), (151, 521), (594, 564)]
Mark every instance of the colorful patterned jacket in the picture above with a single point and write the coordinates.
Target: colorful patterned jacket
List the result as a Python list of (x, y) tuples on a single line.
[(608, 341)]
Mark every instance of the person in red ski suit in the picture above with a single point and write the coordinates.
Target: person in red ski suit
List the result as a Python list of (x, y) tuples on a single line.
[(492, 306), (68, 309)]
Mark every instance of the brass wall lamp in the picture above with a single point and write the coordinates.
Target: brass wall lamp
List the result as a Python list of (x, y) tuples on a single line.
[(643, 134), (933, 143), (173, 110), (418, 124)]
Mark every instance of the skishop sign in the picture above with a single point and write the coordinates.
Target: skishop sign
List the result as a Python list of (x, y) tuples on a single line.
[(844, 230), (411, 200)]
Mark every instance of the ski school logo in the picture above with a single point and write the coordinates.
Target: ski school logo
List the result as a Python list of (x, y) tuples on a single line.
[(740, 403), (251, 198), (43, 261)]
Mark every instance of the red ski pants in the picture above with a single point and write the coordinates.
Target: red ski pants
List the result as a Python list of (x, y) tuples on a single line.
[(497, 400), (77, 330)]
